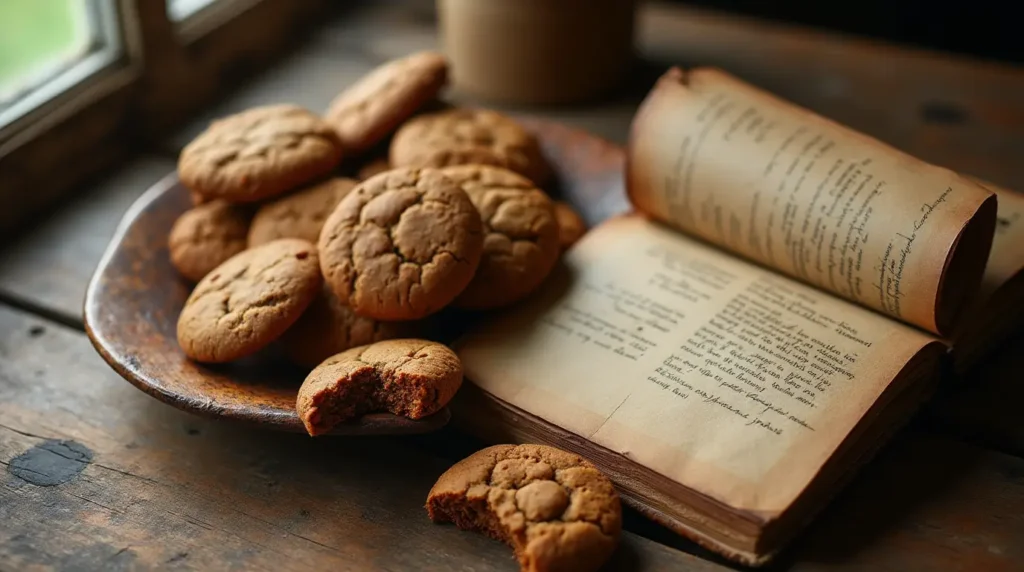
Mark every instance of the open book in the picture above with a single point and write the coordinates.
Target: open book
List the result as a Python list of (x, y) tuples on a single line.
[(777, 305)]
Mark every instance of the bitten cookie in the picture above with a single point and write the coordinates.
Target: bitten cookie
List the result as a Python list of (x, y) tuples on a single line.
[(259, 153), (411, 378), (377, 104), (329, 327), (571, 226), (520, 235), (249, 301), (375, 167), (468, 136), (556, 510), (299, 215), (205, 236), (401, 245)]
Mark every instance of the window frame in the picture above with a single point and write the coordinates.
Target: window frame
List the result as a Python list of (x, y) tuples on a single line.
[(164, 72)]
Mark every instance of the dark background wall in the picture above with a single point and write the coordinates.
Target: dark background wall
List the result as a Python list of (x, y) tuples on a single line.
[(984, 28)]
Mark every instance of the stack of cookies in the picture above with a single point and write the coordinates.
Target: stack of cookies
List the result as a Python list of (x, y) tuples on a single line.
[(341, 273)]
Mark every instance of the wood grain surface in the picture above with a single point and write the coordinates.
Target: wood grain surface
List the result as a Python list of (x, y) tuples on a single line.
[(48, 268), (159, 488), (164, 489), (926, 503)]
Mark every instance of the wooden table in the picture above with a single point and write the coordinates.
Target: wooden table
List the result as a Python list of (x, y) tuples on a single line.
[(100, 476)]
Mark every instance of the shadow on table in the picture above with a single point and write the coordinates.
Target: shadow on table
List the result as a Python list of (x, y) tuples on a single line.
[(878, 517)]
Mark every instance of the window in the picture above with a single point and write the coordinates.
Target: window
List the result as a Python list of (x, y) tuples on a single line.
[(82, 81), (179, 10), (36, 36), (48, 46)]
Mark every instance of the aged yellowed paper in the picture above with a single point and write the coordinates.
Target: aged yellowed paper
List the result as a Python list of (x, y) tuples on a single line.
[(724, 161), (997, 309), (730, 379), (1007, 256)]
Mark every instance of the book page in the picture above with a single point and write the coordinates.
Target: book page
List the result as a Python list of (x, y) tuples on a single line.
[(735, 166), (732, 380), (997, 310), (1007, 256)]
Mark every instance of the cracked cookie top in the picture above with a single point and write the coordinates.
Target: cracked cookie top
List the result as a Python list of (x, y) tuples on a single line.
[(299, 215), (468, 136), (409, 377), (520, 235), (554, 508), (365, 113), (259, 153), (205, 236), (249, 301), (401, 245)]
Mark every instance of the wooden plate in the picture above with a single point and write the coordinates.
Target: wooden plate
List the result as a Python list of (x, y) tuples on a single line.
[(133, 300)]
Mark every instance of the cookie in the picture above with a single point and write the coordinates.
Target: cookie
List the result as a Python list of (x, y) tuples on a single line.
[(300, 214), (520, 235), (571, 226), (406, 377), (377, 104), (329, 327), (468, 136), (401, 245), (196, 198), (205, 236), (248, 301), (556, 510), (375, 167), (259, 153)]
